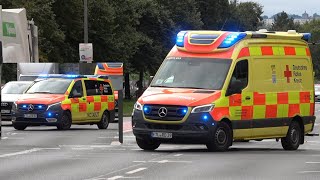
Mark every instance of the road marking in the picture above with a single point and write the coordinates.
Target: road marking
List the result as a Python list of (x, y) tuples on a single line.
[(312, 162), (139, 161), (21, 152), (81, 148), (309, 172), (136, 170), (115, 177), (115, 143), (177, 155), (4, 138), (127, 131), (167, 161)]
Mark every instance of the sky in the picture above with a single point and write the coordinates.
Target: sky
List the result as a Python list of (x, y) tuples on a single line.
[(271, 7)]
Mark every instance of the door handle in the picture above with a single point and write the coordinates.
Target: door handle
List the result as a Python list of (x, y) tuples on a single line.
[(248, 98), (84, 99)]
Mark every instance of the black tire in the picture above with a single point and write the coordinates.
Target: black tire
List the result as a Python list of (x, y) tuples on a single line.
[(20, 127), (292, 140), (222, 138), (65, 122), (147, 144), (104, 122)]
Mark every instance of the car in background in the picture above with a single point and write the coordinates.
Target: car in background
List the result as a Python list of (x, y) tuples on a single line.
[(9, 94), (317, 92)]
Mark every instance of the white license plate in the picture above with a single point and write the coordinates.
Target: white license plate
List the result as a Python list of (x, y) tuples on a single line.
[(5, 111), (164, 135), (30, 116)]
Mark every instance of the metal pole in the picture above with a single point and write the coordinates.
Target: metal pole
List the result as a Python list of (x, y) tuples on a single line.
[(120, 115), (85, 21)]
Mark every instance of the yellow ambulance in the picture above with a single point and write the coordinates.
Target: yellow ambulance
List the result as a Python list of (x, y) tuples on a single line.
[(63, 100), (215, 87)]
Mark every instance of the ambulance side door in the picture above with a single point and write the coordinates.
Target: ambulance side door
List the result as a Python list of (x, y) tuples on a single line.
[(93, 97), (240, 100), (77, 101)]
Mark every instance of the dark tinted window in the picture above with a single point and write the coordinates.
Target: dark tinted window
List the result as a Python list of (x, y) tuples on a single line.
[(77, 89), (97, 88), (240, 73)]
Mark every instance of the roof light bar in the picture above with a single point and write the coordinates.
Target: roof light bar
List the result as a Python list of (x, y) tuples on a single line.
[(232, 39), (180, 38)]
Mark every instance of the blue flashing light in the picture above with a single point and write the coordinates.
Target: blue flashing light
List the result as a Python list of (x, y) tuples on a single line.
[(72, 76), (205, 117), (40, 106), (185, 111), (306, 36), (180, 38), (146, 109), (212, 124), (24, 106), (232, 39), (43, 75), (49, 114)]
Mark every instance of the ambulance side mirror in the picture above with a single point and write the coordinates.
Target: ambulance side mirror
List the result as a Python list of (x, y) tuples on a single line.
[(150, 80), (235, 87)]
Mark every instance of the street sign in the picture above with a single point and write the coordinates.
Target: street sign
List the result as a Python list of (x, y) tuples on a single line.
[(86, 52)]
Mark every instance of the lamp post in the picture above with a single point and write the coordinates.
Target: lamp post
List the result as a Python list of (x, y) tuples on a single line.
[(85, 21)]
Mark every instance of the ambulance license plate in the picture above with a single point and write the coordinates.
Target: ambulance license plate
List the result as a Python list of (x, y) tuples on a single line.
[(163, 135), (30, 116), (5, 111)]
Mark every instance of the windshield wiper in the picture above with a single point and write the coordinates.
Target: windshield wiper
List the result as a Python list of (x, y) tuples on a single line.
[(161, 86), (40, 92), (189, 87)]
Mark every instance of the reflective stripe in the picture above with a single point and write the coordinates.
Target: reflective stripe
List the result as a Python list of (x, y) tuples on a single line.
[(255, 51), (267, 50), (289, 51)]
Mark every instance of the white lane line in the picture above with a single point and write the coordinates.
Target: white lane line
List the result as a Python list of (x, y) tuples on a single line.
[(303, 172), (177, 155), (139, 161), (4, 138), (167, 161), (20, 153), (115, 143), (81, 148), (127, 131), (115, 177), (136, 170), (312, 162)]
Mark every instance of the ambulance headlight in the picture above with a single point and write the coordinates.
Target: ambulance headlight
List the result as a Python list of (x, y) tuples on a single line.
[(54, 105), (137, 106), (204, 108), (14, 107)]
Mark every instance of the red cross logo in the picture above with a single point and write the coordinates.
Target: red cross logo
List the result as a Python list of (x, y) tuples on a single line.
[(287, 73)]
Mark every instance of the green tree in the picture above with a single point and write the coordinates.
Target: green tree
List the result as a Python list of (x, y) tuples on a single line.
[(282, 22), (313, 28)]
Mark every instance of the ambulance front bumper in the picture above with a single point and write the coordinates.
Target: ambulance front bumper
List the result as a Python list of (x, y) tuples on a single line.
[(194, 130), (49, 117)]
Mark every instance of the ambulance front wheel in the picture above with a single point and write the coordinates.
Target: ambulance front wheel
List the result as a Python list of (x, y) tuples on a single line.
[(292, 140), (104, 122), (222, 138), (19, 126), (147, 144), (65, 122)]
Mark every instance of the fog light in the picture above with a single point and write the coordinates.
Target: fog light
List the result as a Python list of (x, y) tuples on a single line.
[(51, 119)]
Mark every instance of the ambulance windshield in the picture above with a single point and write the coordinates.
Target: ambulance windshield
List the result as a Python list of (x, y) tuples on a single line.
[(50, 86), (193, 73)]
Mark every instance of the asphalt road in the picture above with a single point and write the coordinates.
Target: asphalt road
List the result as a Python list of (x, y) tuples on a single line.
[(88, 153)]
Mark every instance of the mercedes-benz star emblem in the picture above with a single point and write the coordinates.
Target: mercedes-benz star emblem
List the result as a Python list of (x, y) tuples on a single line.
[(30, 107), (162, 112)]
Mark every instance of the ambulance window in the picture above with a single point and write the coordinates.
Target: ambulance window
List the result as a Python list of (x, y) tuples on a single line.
[(240, 74), (95, 88), (77, 89)]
